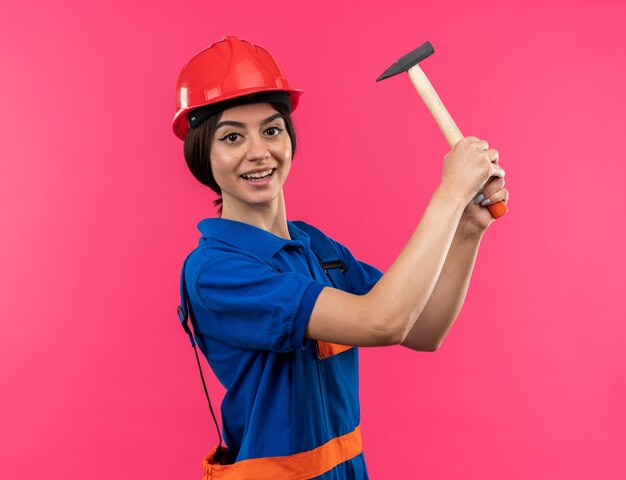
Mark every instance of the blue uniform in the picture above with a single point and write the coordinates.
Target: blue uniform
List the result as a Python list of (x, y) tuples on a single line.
[(251, 294)]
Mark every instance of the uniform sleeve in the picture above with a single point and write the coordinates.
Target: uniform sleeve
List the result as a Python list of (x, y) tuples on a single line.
[(362, 276), (247, 303)]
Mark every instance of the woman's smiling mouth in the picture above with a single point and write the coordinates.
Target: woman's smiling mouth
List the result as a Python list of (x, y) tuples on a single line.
[(258, 176)]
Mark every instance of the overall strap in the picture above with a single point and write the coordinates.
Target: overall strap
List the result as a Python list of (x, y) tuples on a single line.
[(184, 313), (183, 309), (327, 254)]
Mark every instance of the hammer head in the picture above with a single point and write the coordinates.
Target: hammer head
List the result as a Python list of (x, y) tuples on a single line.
[(407, 61)]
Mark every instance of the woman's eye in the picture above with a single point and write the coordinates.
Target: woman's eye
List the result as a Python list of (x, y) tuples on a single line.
[(273, 131), (230, 138)]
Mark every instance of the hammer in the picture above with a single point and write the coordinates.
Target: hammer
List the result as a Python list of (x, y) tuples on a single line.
[(409, 63)]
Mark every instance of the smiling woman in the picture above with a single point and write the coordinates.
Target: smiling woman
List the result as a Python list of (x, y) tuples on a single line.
[(280, 330), (250, 159), (199, 141)]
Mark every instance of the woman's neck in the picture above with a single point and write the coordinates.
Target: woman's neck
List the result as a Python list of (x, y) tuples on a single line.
[(272, 218)]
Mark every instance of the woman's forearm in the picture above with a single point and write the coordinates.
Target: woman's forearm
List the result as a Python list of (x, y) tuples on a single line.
[(449, 293), (401, 295)]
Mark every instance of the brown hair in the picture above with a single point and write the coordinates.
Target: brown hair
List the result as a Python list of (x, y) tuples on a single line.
[(198, 142)]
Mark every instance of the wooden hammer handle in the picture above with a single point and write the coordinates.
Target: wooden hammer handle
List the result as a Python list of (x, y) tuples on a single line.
[(444, 120)]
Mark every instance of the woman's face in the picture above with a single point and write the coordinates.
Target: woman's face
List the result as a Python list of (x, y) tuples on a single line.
[(250, 156)]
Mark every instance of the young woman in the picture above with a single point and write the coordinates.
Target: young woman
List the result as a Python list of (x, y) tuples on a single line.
[(279, 334)]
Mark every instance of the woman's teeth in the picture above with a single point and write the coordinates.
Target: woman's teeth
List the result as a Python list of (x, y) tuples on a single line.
[(258, 176)]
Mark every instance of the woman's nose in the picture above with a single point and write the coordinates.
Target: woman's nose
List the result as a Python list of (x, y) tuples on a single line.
[(257, 148)]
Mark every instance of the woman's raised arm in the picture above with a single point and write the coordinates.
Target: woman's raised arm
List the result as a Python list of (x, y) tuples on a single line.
[(386, 314)]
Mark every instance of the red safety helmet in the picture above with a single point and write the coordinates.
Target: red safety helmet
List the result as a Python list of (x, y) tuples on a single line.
[(227, 69)]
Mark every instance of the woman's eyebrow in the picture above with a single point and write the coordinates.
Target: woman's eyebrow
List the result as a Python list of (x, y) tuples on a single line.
[(271, 118), (230, 123), (233, 123)]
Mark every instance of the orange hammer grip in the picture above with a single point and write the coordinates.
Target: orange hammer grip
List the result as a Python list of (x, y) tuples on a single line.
[(497, 209)]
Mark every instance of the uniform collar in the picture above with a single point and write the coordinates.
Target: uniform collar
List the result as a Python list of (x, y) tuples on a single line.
[(252, 239)]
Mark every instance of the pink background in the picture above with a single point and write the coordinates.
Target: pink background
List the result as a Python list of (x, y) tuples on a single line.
[(98, 211)]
